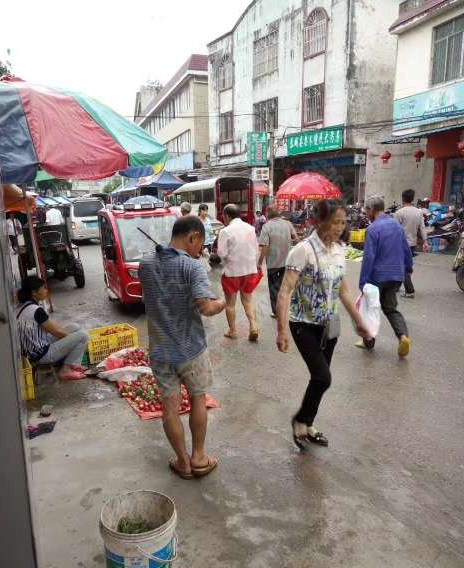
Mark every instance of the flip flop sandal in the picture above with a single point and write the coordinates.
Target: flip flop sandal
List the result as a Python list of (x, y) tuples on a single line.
[(173, 467), (202, 471), (230, 335), (319, 439), (79, 368), (300, 441), (253, 335), (72, 376)]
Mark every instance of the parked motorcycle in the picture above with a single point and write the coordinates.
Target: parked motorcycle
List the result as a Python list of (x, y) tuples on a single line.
[(459, 264)]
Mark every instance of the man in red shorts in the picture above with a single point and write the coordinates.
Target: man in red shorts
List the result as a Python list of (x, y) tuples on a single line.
[(238, 248)]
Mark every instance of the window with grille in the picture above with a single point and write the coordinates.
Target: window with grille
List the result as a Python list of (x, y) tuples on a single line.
[(266, 115), (448, 45), (225, 74), (315, 33), (266, 54), (226, 127), (313, 104)]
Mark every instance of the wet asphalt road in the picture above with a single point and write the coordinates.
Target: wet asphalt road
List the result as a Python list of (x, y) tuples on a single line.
[(388, 492)]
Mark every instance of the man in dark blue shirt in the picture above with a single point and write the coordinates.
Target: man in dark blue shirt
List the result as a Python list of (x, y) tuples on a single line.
[(387, 259)]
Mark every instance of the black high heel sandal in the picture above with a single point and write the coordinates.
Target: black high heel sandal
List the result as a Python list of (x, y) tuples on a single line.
[(300, 441), (319, 439)]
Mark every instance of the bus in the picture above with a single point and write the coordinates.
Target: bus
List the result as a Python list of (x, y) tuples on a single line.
[(219, 191)]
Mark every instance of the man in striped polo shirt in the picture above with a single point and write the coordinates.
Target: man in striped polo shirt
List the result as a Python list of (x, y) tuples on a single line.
[(177, 293)]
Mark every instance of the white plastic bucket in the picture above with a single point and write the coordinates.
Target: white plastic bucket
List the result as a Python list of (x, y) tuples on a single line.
[(154, 549)]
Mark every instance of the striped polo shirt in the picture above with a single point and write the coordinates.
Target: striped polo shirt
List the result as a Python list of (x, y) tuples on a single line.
[(172, 282)]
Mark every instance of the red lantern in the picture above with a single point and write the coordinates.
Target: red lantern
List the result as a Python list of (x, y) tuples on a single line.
[(419, 154), (385, 157), (461, 148)]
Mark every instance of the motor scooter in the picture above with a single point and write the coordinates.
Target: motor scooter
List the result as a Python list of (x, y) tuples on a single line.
[(459, 264)]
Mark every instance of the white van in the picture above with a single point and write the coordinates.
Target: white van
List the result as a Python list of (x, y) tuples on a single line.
[(83, 218)]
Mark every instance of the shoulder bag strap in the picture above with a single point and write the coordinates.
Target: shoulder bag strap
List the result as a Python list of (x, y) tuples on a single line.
[(27, 304), (319, 273)]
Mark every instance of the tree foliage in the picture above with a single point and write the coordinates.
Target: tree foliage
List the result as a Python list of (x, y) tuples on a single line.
[(113, 184), (4, 68), (54, 187)]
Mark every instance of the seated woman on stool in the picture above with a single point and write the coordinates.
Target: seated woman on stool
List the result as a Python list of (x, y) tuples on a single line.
[(43, 341)]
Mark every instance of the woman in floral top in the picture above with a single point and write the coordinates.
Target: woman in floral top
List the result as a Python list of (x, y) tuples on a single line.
[(314, 281)]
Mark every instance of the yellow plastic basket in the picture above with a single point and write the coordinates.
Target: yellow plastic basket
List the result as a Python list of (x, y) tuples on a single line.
[(108, 339), (358, 236), (27, 387)]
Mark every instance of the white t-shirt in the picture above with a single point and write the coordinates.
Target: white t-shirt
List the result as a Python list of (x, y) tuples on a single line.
[(54, 217), (10, 227), (238, 248)]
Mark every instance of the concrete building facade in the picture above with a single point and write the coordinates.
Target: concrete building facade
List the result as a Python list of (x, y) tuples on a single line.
[(319, 75), (178, 116), (429, 89)]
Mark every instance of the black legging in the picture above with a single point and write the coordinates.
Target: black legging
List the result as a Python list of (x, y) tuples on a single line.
[(308, 340)]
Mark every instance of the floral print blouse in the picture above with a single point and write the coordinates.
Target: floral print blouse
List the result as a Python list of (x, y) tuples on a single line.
[(308, 304)]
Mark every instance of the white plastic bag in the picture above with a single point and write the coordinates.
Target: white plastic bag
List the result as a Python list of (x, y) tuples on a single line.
[(124, 374), (116, 355), (204, 260), (368, 305)]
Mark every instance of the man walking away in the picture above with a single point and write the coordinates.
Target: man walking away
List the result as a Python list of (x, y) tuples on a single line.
[(238, 249), (185, 208), (275, 243), (412, 220), (260, 221), (387, 259), (54, 216), (177, 293)]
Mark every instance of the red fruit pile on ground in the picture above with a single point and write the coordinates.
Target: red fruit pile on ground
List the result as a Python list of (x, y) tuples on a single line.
[(136, 358), (145, 395)]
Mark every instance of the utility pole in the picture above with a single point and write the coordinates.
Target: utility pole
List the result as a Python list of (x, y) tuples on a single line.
[(271, 164)]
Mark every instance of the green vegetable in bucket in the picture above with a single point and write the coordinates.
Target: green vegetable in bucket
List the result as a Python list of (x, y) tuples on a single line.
[(133, 525)]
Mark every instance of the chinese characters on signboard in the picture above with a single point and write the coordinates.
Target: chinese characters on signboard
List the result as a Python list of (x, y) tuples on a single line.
[(260, 174), (257, 148), (434, 105), (313, 141)]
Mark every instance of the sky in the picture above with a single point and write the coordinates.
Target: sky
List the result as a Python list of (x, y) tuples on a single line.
[(108, 48)]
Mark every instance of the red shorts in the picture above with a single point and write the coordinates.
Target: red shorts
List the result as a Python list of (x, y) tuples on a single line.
[(246, 284)]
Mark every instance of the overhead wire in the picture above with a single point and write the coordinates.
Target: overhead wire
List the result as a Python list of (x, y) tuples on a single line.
[(375, 126)]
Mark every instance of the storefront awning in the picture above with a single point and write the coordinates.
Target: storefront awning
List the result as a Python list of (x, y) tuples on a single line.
[(51, 201), (416, 137)]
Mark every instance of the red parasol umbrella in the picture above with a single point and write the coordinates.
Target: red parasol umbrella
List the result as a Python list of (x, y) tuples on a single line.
[(308, 185)]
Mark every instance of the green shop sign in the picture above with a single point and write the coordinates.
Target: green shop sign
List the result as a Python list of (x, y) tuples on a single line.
[(313, 141), (257, 148)]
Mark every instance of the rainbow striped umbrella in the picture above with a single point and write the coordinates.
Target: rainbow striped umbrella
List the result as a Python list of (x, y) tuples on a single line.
[(67, 134)]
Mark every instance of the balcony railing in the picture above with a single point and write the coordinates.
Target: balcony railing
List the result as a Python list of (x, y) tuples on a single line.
[(411, 5)]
